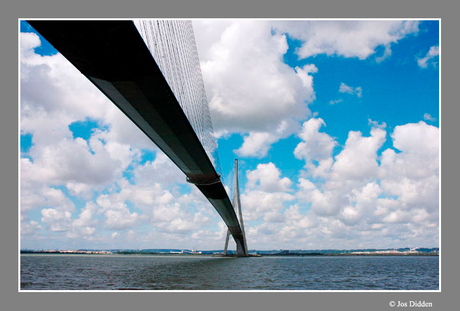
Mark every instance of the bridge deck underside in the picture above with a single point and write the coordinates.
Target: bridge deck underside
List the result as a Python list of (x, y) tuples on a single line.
[(114, 57)]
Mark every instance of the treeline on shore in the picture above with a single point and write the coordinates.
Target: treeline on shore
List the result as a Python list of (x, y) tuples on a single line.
[(284, 253)]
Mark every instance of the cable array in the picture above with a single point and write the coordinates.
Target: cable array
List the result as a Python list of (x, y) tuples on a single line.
[(172, 44)]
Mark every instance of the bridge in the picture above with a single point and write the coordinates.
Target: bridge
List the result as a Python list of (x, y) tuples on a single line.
[(115, 58)]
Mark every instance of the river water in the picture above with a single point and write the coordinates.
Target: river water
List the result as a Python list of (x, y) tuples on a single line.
[(147, 272)]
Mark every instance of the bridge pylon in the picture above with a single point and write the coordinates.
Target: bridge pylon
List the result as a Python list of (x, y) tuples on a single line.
[(241, 246)]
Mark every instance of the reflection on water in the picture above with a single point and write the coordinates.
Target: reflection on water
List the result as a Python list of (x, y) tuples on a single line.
[(118, 272)]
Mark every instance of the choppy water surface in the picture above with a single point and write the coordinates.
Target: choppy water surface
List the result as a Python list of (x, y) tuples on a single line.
[(116, 272)]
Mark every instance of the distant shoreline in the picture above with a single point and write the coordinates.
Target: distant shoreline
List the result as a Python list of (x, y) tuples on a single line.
[(293, 254)]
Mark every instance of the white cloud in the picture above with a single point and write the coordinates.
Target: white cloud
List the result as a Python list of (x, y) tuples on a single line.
[(178, 225), (413, 174), (249, 86), (274, 217), (162, 170), (360, 203), (315, 147), (397, 217), (158, 202), (428, 117), (256, 203), (296, 219), (43, 197), (82, 190), (336, 101), (376, 124), (358, 159), (266, 194), (250, 89), (85, 226), (266, 177), (86, 217), (326, 203), (429, 58), (73, 160), (122, 218), (56, 219), (30, 228), (358, 91), (358, 39), (52, 93), (29, 41), (362, 195), (419, 146), (257, 144), (394, 197), (167, 214), (45, 82)]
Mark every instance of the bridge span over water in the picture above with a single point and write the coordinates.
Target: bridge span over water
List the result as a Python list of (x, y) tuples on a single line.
[(115, 58)]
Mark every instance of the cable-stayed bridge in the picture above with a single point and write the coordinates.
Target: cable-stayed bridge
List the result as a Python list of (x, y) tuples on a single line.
[(150, 70)]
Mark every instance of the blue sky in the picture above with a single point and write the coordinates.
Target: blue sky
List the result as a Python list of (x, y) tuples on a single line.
[(335, 125)]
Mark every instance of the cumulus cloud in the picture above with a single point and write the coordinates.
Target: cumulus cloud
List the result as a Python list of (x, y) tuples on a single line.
[(86, 217), (378, 193), (376, 124), (85, 227), (428, 117), (117, 215), (72, 160), (358, 91), (296, 219), (363, 193), (45, 84), (316, 147), (54, 95), (55, 207), (155, 195), (335, 101), (121, 218), (266, 177), (31, 228), (56, 219), (413, 174), (430, 58), (358, 39), (256, 203), (265, 194), (250, 89), (257, 144), (358, 159), (162, 171)]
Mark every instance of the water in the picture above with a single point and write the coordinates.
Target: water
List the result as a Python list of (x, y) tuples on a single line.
[(144, 272)]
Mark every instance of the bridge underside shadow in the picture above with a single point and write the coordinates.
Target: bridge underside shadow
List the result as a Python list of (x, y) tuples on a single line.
[(114, 57)]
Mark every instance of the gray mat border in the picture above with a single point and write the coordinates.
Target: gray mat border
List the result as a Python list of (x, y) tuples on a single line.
[(10, 299)]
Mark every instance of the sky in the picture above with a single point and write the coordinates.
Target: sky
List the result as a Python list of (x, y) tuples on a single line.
[(336, 125)]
